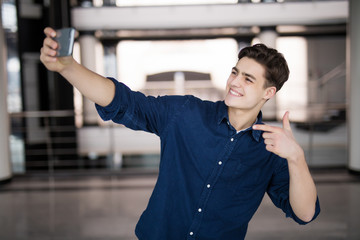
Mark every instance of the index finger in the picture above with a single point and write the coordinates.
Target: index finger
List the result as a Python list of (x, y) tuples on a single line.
[(265, 128), (50, 32)]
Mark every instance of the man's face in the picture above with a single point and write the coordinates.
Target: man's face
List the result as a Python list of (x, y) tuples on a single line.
[(245, 86)]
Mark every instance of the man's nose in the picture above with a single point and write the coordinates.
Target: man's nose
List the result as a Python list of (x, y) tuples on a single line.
[(238, 81)]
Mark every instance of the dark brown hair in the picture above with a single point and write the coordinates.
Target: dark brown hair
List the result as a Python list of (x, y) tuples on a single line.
[(276, 68)]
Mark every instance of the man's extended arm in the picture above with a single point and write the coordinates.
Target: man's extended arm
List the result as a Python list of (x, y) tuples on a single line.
[(302, 190), (93, 86)]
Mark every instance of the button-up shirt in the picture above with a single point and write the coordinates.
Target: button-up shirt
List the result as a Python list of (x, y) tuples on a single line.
[(211, 177)]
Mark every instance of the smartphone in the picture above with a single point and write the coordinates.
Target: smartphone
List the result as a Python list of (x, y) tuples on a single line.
[(65, 38)]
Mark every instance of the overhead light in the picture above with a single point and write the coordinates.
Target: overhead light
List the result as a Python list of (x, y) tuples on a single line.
[(290, 28)]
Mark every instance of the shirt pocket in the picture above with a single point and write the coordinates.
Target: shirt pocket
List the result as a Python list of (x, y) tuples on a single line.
[(246, 180)]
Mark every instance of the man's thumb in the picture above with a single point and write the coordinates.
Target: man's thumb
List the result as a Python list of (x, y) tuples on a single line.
[(286, 122)]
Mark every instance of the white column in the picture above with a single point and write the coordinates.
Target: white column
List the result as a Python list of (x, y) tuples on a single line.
[(179, 80), (5, 165), (268, 37), (353, 80), (88, 58)]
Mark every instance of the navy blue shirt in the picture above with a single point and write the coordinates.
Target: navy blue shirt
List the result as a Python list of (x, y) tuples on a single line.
[(211, 178)]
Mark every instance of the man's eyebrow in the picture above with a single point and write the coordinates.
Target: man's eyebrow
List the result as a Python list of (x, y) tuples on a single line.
[(248, 75), (244, 73)]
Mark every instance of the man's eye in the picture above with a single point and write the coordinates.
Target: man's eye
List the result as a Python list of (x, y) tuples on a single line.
[(249, 80)]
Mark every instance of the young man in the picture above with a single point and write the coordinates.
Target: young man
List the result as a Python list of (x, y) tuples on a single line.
[(217, 158)]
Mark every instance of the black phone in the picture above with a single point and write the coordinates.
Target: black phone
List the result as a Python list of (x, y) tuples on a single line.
[(65, 38)]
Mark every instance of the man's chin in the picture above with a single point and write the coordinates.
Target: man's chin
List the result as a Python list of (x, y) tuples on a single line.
[(230, 102), (226, 101)]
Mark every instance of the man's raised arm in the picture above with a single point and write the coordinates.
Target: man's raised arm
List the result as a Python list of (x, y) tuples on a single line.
[(93, 86), (302, 189)]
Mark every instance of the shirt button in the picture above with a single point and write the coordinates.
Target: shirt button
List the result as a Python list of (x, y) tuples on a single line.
[(199, 210), (232, 139), (191, 233), (208, 186), (220, 162)]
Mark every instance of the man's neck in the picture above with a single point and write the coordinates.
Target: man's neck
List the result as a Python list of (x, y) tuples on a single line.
[(242, 119)]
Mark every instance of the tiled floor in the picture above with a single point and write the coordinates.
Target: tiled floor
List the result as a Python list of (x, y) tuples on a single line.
[(108, 208)]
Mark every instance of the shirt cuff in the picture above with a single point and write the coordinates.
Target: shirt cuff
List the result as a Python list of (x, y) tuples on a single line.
[(301, 222), (110, 111)]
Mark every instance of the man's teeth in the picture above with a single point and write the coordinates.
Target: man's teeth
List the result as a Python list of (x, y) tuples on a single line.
[(234, 93)]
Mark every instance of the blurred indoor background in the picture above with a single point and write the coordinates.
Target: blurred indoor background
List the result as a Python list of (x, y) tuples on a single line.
[(66, 174)]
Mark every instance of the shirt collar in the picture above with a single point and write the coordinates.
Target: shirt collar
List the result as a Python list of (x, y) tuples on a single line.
[(223, 116), (222, 113), (257, 133)]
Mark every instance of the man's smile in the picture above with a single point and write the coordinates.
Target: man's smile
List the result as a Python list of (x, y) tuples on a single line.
[(235, 93)]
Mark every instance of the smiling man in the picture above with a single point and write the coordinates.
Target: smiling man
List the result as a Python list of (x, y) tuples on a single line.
[(217, 158)]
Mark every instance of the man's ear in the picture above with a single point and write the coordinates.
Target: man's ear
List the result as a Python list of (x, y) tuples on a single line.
[(269, 92)]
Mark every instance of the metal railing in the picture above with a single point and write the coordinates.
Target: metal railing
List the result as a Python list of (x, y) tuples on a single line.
[(52, 144), (49, 142)]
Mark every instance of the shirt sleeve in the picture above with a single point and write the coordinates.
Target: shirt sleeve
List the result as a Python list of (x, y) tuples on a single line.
[(278, 191), (139, 112)]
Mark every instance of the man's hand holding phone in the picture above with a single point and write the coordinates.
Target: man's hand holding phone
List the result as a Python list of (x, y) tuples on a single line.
[(95, 87), (57, 49)]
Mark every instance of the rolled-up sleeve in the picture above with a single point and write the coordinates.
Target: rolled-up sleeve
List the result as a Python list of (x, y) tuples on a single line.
[(117, 105), (139, 112), (278, 191)]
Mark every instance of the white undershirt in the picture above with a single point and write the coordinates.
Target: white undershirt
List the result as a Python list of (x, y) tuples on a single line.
[(248, 127)]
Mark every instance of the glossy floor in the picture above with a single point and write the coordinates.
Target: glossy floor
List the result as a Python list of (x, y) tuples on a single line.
[(108, 208)]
